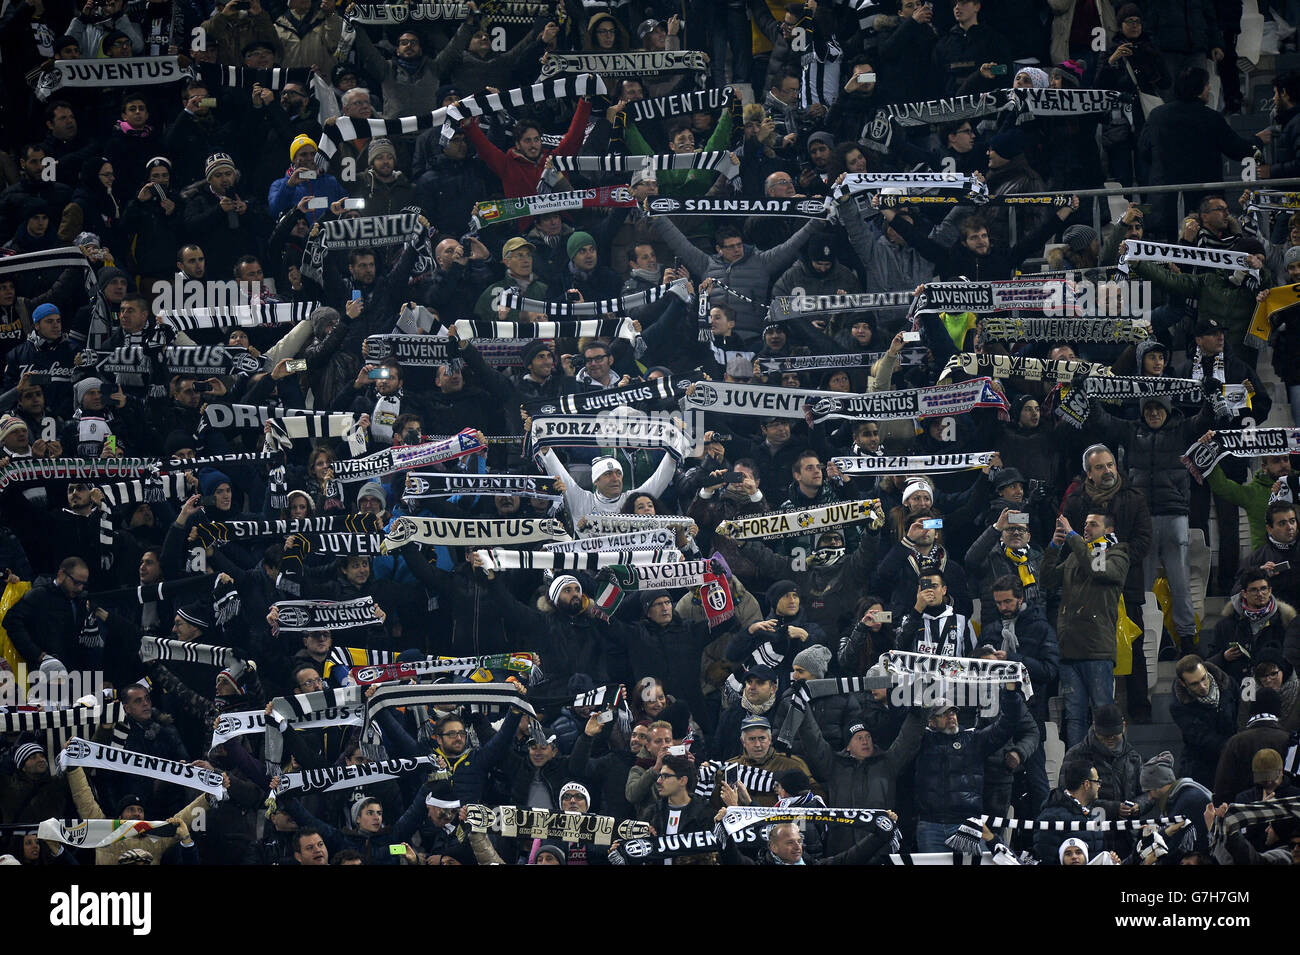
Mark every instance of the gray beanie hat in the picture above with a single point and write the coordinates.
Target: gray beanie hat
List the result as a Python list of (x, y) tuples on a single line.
[(1157, 771), (1079, 237), (814, 659), (1292, 255)]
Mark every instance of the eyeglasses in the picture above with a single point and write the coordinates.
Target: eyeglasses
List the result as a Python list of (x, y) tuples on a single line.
[(590, 358), (315, 682), (1217, 209), (667, 776), (453, 733), (1094, 779)]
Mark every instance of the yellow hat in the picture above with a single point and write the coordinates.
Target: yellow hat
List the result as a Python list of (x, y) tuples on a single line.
[(298, 142)]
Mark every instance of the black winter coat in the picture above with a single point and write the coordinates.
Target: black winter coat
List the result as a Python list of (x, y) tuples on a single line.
[(1062, 807), (1154, 458), (1120, 771), (671, 653), (950, 769), (1037, 650), (1128, 507), (47, 620), (1206, 729)]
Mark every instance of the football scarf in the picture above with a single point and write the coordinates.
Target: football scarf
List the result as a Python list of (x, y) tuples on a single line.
[(1246, 814), (623, 65), (243, 723), (168, 487), (813, 520), (511, 822), (336, 778), (859, 182), (283, 432), (29, 470), (222, 416), (245, 77), (1009, 295), (443, 668), (309, 616), (223, 532), (79, 752), (713, 160), (1135, 386), (607, 431), (346, 128), (597, 524), (1260, 331), (72, 717), (1105, 330), (399, 458), (471, 532), (64, 257), (445, 696), (952, 399), (513, 298), (201, 361), (498, 559), (656, 539), (606, 399), (156, 648), (797, 363), (496, 211), (655, 849), (98, 833), (907, 464), (125, 72), (1140, 250), (761, 401), (1201, 459), (751, 777), (679, 104), (715, 598), (963, 671), (364, 232), (799, 208), (1014, 366), (424, 351), (431, 484), (592, 328), (239, 316), (739, 818), (786, 307)]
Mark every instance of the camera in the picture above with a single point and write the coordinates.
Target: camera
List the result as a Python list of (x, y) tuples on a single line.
[(933, 523), (202, 387), (296, 365), (1018, 517), (306, 174)]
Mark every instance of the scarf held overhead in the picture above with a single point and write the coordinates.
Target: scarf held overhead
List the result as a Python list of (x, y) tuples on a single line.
[(79, 752), (952, 399), (813, 520)]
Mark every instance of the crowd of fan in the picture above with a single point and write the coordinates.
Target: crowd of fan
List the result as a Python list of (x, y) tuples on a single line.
[(195, 182)]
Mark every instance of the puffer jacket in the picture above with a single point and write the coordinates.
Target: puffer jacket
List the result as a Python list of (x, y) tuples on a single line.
[(950, 768), (750, 277), (1235, 628), (1206, 729), (1119, 770), (308, 42), (869, 783), (568, 645), (1089, 597), (1154, 457)]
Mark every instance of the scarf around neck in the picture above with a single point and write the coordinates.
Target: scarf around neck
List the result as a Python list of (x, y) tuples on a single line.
[(1100, 495), (1021, 560)]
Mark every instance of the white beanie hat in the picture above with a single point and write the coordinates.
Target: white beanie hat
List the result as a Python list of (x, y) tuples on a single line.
[(558, 584), (915, 486)]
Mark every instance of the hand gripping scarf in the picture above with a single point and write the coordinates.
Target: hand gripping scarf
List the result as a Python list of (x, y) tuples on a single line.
[(336, 778), (905, 464), (496, 211), (512, 822), (472, 532), (935, 401), (442, 668), (308, 616), (432, 484), (399, 458), (98, 833)]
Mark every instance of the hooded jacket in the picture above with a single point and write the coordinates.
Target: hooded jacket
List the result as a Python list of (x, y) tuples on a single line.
[(1206, 728), (1119, 770)]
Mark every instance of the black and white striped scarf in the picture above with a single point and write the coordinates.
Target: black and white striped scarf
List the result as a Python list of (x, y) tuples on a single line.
[(1106, 330), (72, 717), (597, 524), (157, 648), (912, 464), (1246, 814), (79, 752), (714, 160), (64, 257), (513, 298), (621, 64), (751, 777), (347, 128), (332, 706), (800, 208), (168, 487), (590, 328), (245, 77), (470, 532), (284, 430), (498, 559), (446, 696), (964, 671), (512, 822), (239, 316)]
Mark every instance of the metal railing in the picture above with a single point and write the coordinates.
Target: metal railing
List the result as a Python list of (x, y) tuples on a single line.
[(1136, 193)]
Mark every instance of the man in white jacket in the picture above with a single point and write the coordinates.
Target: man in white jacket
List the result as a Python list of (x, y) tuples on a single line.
[(607, 496)]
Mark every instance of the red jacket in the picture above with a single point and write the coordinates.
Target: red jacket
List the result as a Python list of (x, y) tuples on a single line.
[(520, 176)]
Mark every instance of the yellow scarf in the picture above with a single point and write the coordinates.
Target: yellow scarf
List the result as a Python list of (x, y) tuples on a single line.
[(1022, 565)]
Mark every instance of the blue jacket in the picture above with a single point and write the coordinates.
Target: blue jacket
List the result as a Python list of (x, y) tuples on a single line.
[(281, 197), (950, 769), (470, 769)]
